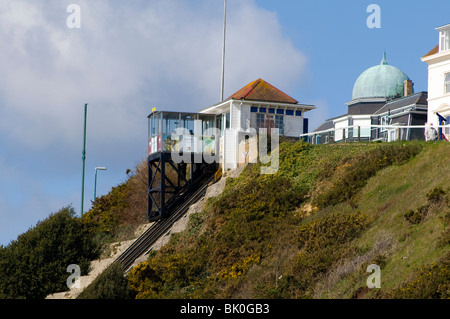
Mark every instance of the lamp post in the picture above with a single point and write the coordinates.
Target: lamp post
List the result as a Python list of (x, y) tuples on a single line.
[(95, 186), (84, 160), (223, 49)]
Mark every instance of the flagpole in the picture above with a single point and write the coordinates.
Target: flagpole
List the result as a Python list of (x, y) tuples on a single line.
[(223, 48)]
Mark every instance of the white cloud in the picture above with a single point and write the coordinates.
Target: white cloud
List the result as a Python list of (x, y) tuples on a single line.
[(125, 59)]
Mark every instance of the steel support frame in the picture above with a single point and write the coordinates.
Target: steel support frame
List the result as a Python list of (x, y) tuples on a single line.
[(160, 185)]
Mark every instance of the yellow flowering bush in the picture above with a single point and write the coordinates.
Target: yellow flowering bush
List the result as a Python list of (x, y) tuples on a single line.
[(429, 282)]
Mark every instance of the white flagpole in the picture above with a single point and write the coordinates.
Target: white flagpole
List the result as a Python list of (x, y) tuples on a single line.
[(223, 48)]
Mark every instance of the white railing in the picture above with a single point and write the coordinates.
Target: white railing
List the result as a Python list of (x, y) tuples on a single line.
[(385, 133)]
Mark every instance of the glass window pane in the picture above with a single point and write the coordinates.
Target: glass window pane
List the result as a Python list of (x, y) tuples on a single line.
[(150, 127), (260, 120), (170, 123), (447, 83), (445, 40), (279, 123), (187, 122), (219, 124)]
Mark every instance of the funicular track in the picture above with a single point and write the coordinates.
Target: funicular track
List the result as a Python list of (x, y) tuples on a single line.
[(159, 228)]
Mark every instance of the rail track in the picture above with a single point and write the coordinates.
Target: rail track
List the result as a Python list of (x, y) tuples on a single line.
[(143, 244)]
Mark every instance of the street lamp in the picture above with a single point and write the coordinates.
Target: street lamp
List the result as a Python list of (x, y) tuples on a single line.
[(83, 157), (95, 187), (223, 49)]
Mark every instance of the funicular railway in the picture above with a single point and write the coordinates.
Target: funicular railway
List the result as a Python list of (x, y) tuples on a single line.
[(184, 150), (182, 162)]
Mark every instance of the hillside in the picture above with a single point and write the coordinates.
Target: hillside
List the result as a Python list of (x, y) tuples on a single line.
[(308, 231), (311, 229)]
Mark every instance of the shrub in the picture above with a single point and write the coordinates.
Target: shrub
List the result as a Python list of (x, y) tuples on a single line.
[(436, 195), (104, 216), (416, 216), (165, 274), (435, 200), (35, 265), (110, 284), (429, 282), (353, 173), (444, 239), (322, 241), (331, 230)]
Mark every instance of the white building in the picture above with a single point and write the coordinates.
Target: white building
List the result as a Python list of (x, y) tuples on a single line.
[(257, 105), (235, 123), (438, 60)]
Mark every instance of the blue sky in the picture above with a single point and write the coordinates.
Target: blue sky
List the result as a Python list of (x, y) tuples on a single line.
[(130, 57)]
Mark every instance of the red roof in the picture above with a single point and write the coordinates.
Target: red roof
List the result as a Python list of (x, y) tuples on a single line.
[(433, 51), (260, 90)]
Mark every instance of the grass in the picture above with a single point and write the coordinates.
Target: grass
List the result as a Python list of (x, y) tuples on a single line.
[(389, 195), (258, 239)]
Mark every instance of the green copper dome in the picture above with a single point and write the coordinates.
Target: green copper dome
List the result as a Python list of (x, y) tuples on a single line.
[(380, 81)]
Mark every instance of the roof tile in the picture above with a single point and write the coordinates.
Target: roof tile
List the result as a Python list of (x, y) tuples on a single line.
[(260, 90)]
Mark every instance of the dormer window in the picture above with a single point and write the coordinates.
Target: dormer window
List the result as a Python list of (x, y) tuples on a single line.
[(444, 40)]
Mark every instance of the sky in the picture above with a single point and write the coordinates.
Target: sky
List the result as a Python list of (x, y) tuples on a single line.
[(128, 57)]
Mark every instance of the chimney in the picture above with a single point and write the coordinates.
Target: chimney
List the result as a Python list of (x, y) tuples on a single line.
[(408, 87)]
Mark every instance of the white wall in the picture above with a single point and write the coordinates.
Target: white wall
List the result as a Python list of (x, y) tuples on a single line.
[(230, 150), (245, 115), (437, 99), (364, 123), (235, 118), (339, 125)]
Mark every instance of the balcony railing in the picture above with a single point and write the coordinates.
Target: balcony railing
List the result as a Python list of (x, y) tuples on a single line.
[(384, 133)]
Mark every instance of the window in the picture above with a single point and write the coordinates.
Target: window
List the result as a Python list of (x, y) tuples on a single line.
[(153, 125), (298, 113), (280, 111), (219, 122), (260, 118), (447, 83), (187, 123), (445, 40), (262, 109), (254, 109), (271, 111), (447, 129), (289, 112), (227, 120), (279, 123), (170, 123)]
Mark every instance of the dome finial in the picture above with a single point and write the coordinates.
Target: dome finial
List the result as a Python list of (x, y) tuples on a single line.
[(384, 61)]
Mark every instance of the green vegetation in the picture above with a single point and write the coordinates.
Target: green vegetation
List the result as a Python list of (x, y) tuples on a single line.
[(311, 229), (110, 284), (308, 231), (35, 265)]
